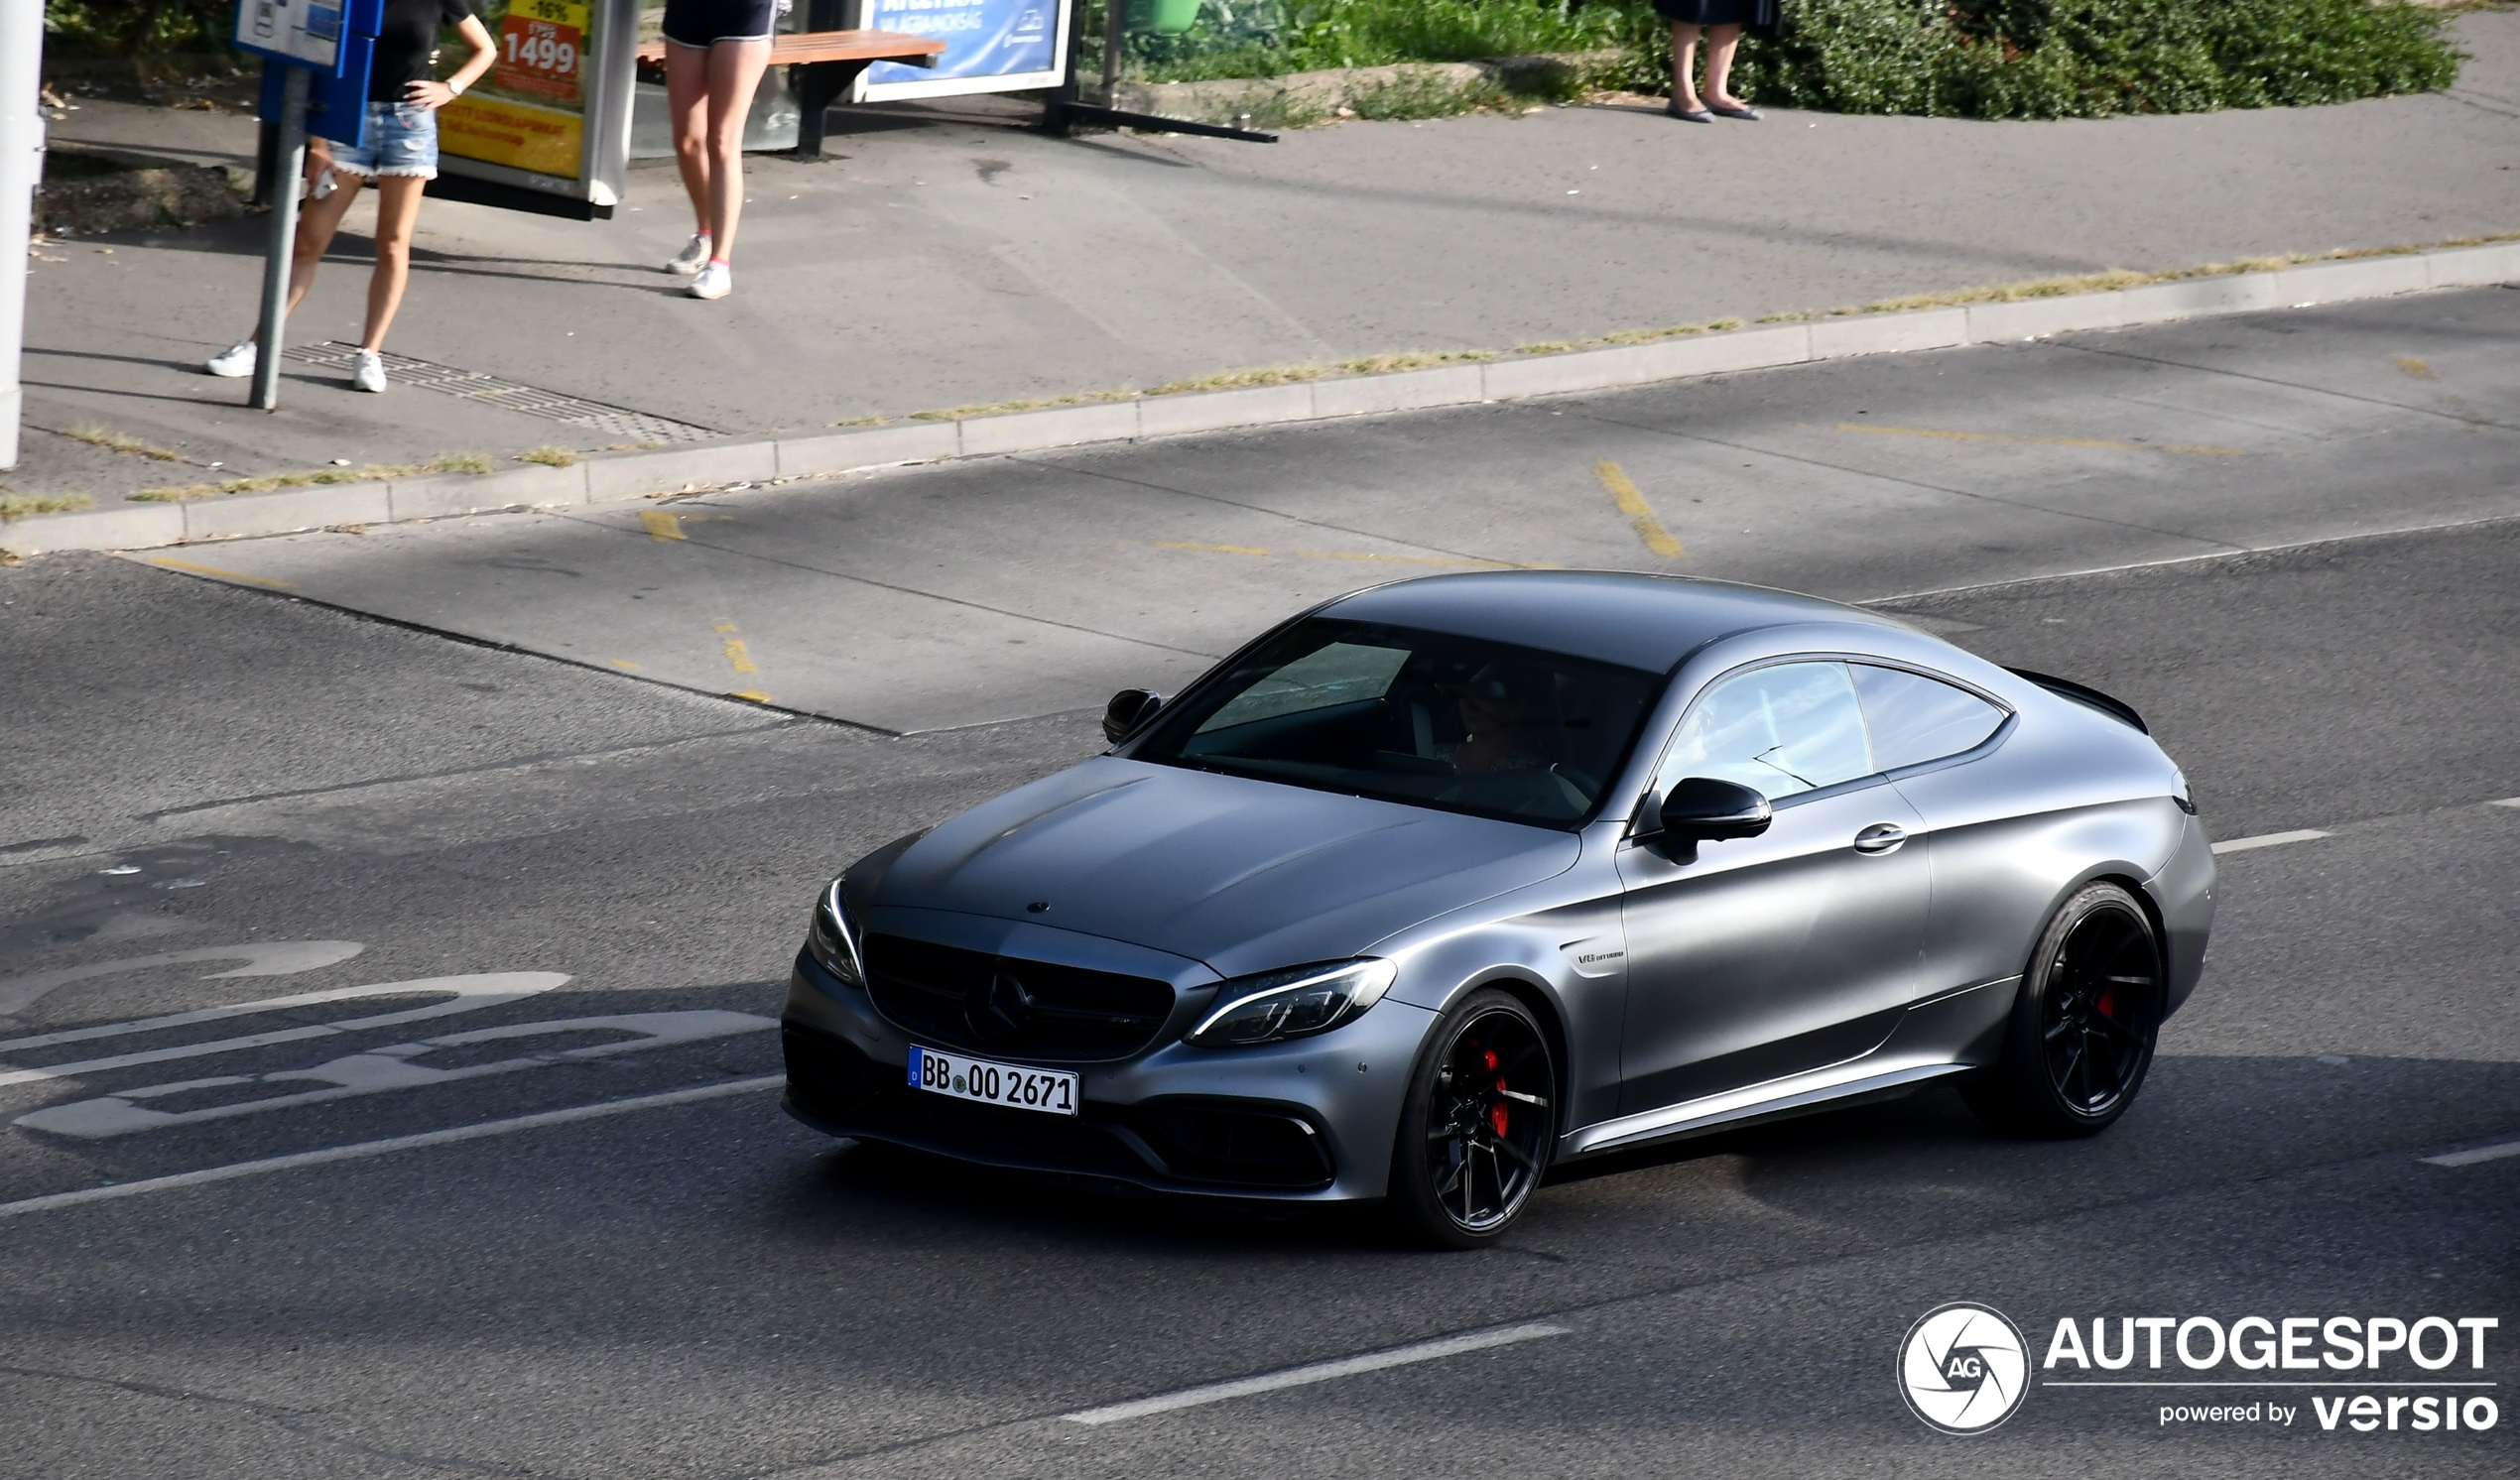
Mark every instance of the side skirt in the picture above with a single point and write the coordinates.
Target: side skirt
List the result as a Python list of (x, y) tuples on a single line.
[(1937, 1038)]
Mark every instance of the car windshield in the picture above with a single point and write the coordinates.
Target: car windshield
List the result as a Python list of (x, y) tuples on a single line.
[(1424, 717)]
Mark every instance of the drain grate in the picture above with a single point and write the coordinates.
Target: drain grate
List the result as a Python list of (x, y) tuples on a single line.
[(550, 406)]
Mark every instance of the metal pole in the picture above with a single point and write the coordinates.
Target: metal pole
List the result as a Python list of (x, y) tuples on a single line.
[(1114, 13), (21, 165), (283, 238)]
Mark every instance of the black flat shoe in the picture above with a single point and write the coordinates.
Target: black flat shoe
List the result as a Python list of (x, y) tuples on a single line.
[(1686, 115), (1745, 113)]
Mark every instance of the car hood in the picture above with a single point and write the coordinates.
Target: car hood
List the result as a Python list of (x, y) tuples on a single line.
[(1244, 875)]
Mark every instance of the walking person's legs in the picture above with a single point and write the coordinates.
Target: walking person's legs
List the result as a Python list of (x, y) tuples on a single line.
[(686, 108), (734, 72)]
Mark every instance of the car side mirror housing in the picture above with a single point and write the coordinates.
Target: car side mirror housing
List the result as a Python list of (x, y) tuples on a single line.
[(1128, 709), (1700, 808)]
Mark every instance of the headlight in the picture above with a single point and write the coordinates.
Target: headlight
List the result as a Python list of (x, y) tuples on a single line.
[(1292, 1003), (832, 940)]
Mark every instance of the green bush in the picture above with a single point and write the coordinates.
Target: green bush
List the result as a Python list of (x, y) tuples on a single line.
[(2087, 58), (1266, 38), (1969, 59)]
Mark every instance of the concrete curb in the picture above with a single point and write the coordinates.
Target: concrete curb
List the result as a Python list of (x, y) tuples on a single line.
[(826, 454)]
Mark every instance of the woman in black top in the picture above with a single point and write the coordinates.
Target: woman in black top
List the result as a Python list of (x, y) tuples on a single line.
[(1720, 22), (399, 150)]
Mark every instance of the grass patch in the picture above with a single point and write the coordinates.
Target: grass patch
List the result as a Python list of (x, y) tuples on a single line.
[(863, 422), (455, 462), (1631, 337), (548, 457), (20, 504), (116, 441)]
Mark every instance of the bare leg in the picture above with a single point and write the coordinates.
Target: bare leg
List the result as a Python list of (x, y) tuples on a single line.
[(686, 107), (734, 72), (1721, 43), (1684, 66), (317, 220), (397, 209)]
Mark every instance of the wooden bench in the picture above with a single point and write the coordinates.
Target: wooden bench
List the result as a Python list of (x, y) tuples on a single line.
[(821, 65)]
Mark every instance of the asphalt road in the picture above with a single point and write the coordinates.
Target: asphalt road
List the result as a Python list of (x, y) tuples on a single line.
[(696, 1287)]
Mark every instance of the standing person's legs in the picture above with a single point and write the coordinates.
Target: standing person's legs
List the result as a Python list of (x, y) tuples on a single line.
[(317, 220), (1684, 66), (397, 209), (734, 72), (687, 106), (1721, 43)]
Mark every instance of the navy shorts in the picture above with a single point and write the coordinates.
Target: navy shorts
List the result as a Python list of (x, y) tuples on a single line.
[(703, 24)]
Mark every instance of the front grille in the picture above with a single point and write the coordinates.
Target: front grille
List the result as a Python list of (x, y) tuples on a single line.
[(987, 1003), (1189, 1144)]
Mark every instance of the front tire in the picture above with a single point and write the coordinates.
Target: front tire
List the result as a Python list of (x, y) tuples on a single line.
[(1477, 1128), (2081, 1037)]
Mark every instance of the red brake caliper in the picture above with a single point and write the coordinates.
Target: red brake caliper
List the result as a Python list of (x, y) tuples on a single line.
[(1496, 1112)]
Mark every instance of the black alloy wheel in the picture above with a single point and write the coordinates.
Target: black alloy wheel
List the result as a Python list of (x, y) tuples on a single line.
[(2083, 1029), (1479, 1123)]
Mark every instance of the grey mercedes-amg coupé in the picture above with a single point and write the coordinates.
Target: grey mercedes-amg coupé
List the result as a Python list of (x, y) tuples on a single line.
[(1443, 883)]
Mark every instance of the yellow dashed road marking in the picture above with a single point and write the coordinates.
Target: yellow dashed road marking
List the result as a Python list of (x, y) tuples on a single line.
[(252, 581), (1631, 502), (2042, 442), (661, 525), (625, 665), (2413, 366), (737, 656), (754, 694)]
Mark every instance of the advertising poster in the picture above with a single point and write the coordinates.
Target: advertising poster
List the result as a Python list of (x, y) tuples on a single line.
[(530, 112), (992, 46)]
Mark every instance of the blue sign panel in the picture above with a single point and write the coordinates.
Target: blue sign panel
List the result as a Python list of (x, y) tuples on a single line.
[(336, 105), (990, 45)]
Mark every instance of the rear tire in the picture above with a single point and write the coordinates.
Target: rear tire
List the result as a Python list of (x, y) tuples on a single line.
[(1477, 1125), (2083, 1028)]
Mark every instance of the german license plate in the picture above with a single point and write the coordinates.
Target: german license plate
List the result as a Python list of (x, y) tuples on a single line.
[(1009, 1084)]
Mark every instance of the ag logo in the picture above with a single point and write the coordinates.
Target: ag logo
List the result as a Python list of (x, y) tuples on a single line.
[(1963, 1368)]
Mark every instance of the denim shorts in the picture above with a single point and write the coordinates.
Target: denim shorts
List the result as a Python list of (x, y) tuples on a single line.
[(402, 139)]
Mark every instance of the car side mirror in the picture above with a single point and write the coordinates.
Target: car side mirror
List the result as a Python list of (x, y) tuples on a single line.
[(1702, 809), (1128, 709)]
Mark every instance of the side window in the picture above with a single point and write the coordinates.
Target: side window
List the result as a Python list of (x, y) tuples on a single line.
[(1794, 727), (1914, 718)]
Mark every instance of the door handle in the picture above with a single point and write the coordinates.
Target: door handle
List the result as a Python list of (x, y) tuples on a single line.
[(1882, 837)]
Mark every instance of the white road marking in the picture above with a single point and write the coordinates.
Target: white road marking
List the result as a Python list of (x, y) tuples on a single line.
[(1318, 1372), (2268, 840), (468, 993), (2505, 801), (262, 958), (2480, 1154), (381, 1070), (362, 1149)]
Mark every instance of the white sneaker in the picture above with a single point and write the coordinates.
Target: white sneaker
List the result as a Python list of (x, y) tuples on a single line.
[(367, 372), (690, 259), (714, 281), (238, 360)]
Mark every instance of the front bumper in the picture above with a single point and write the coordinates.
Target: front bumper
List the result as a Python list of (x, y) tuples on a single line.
[(1311, 1120)]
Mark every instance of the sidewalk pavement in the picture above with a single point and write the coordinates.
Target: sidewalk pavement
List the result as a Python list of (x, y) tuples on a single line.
[(950, 257)]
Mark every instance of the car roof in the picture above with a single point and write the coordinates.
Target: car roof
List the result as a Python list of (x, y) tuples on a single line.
[(1628, 618)]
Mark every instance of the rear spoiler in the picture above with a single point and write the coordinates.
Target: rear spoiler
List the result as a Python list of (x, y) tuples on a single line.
[(2114, 708)]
